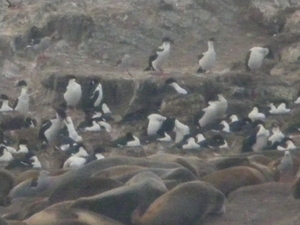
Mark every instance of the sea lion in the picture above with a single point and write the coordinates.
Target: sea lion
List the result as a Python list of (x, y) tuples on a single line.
[(85, 187), (142, 176), (226, 162), (116, 171), (120, 202), (296, 188), (7, 182), (230, 179), (186, 204), (264, 160), (29, 174), (61, 213)]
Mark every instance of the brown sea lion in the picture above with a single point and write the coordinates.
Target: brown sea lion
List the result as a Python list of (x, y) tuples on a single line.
[(61, 213), (186, 204), (264, 160), (230, 179), (82, 188), (6, 184), (226, 162), (120, 202), (29, 174)]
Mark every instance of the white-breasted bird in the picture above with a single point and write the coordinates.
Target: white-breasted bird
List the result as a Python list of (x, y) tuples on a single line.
[(215, 110), (173, 83), (207, 60), (4, 103), (155, 122), (73, 92), (256, 115), (160, 56), (22, 103), (256, 56)]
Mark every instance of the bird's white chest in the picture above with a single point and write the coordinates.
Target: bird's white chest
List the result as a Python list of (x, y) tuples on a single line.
[(208, 61), (73, 94)]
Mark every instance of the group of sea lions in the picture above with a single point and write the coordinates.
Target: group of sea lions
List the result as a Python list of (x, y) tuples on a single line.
[(163, 189)]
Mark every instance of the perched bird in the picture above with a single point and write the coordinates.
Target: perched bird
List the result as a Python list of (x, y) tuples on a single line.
[(5, 155), (96, 96), (158, 58), (22, 103), (4, 104), (155, 123), (276, 138), (256, 115), (217, 141), (173, 83), (281, 109), (237, 125), (42, 46), (129, 140), (22, 147), (78, 159), (207, 60), (49, 129), (71, 129), (191, 144), (257, 140), (181, 130), (287, 144), (98, 125), (73, 93), (256, 56), (215, 110)]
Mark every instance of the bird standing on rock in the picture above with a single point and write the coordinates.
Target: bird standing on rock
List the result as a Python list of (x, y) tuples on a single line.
[(158, 58), (4, 106), (256, 56), (73, 93), (22, 103), (207, 60)]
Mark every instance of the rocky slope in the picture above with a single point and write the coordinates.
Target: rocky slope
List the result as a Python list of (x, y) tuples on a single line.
[(92, 35)]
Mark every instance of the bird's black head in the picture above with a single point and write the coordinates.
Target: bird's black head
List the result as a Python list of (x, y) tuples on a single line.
[(218, 139), (129, 136), (257, 122), (170, 81), (2, 148), (70, 77), (212, 39), (61, 113), (22, 83), (3, 97), (99, 149), (270, 54), (167, 39), (23, 142)]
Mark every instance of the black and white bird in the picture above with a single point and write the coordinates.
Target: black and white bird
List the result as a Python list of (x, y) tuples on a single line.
[(4, 103), (155, 123), (258, 140), (50, 129), (22, 147), (288, 144), (281, 109), (73, 93), (256, 56), (181, 130), (129, 140), (207, 60), (276, 137), (96, 95), (78, 159), (160, 56), (173, 83), (98, 126), (71, 129), (237, 125), (256, 115), (22, 103), (215, 110), (217, 141), (5, 155)]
